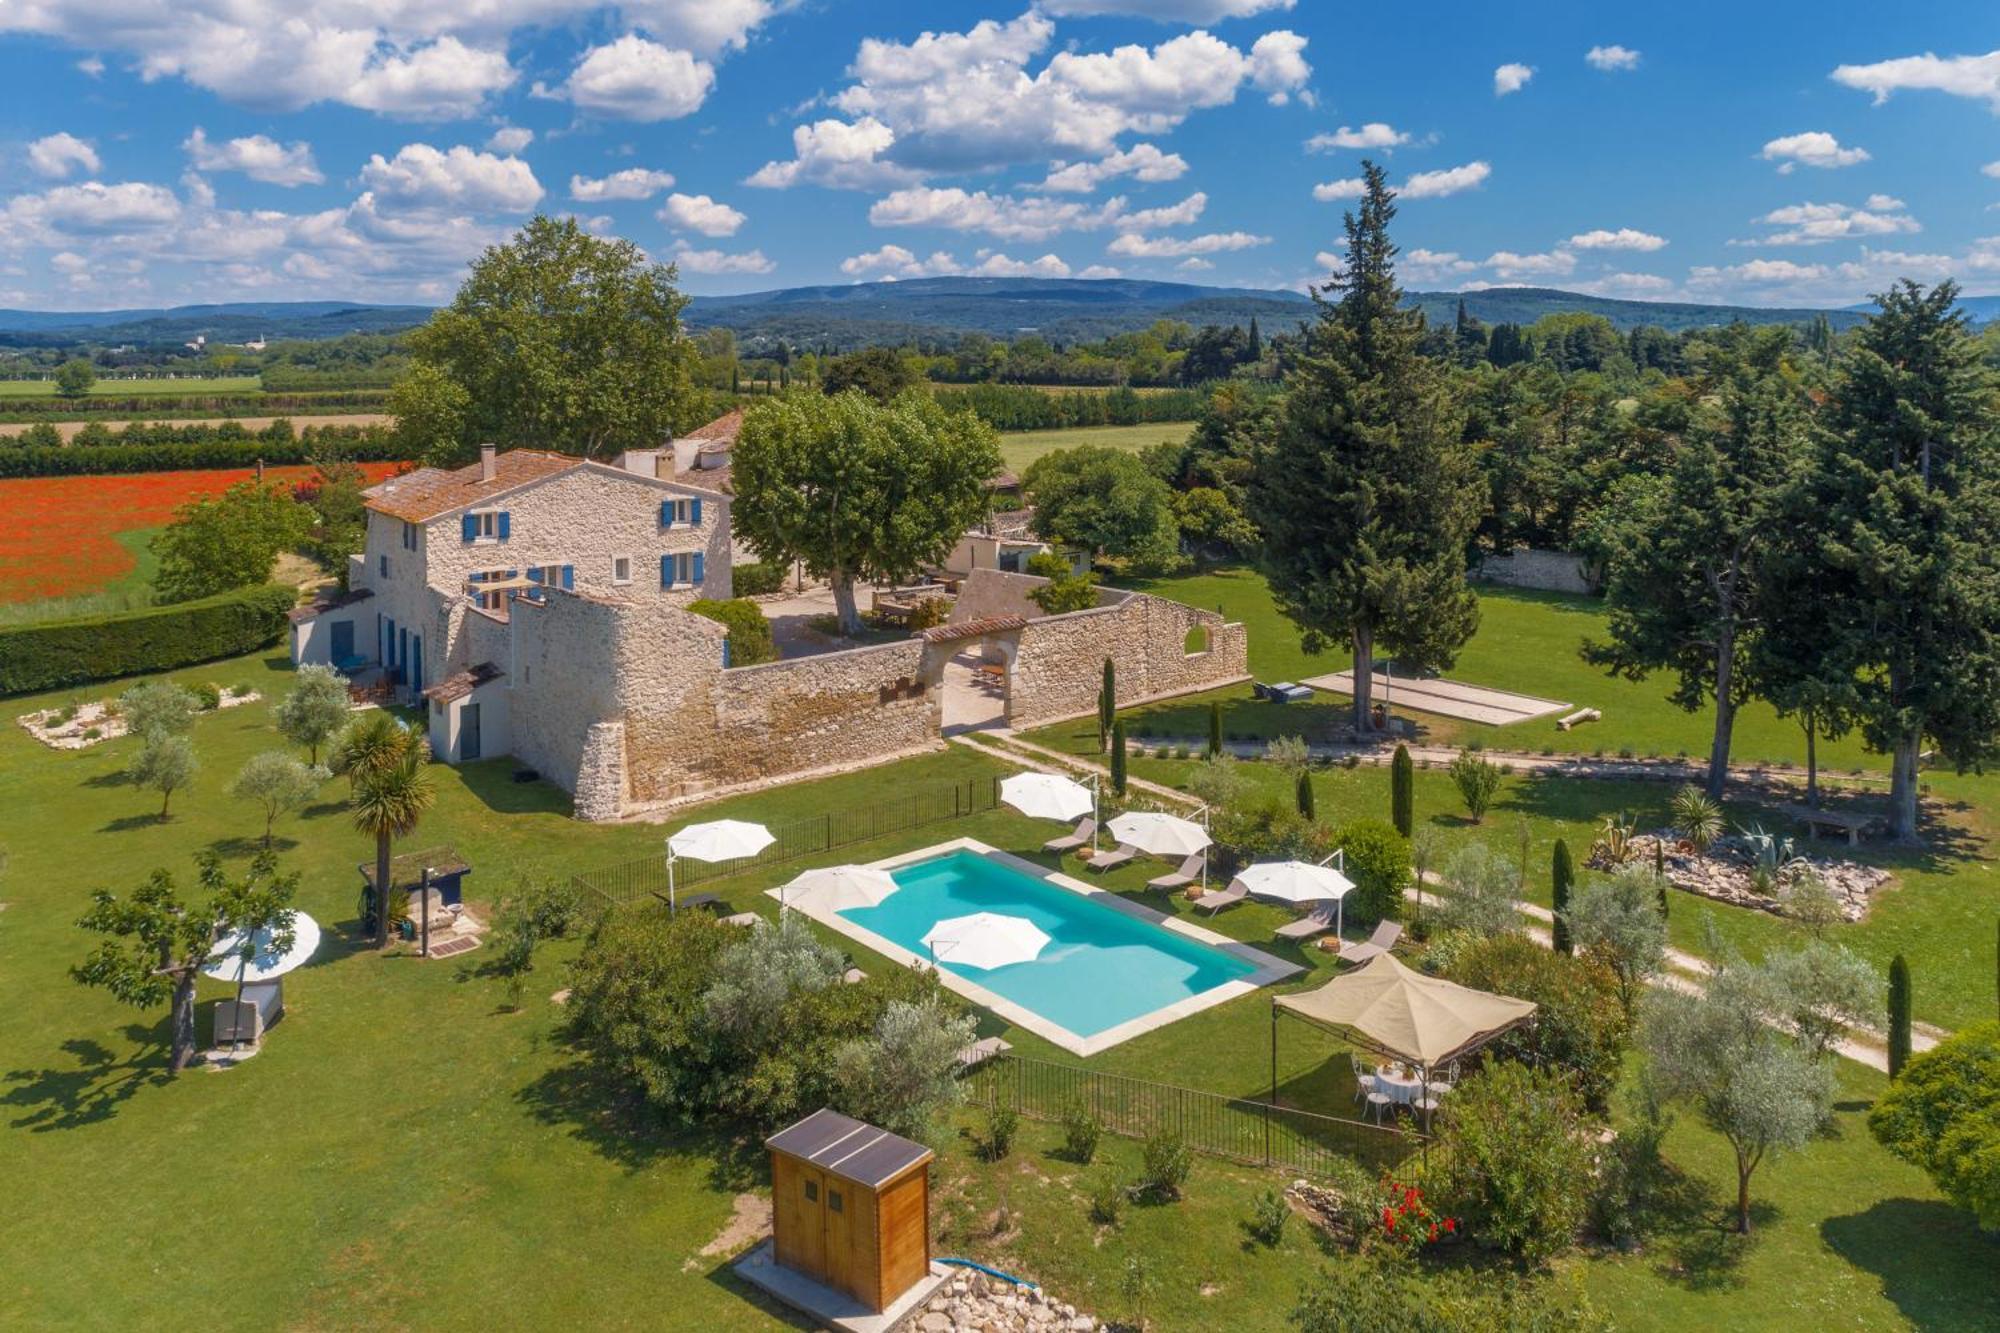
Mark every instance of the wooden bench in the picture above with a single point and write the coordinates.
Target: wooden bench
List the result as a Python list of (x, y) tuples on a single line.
[(1855, 825)]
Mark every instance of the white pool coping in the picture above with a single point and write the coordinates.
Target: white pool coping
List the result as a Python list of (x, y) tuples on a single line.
[(1269, 969)]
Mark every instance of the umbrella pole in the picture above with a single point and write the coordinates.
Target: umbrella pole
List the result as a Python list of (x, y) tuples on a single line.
[(1093, 814), (1274, 1081), (673, 907)]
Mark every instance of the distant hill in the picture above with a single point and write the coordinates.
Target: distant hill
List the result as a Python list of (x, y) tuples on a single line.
[(851, 315), (235, 322), (1065, 309)]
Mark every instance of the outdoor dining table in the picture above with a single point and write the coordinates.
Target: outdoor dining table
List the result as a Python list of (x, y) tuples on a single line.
[(1399, 1086)]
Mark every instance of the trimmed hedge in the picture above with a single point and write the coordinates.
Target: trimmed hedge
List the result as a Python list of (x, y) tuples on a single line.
[(56, 653), (358, 444), (756, 578), (749, 633)]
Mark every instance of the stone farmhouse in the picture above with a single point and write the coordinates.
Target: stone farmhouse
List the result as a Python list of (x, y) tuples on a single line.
[(536, 604)]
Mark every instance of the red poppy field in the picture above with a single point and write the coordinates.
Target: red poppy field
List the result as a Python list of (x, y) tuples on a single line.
[(58, 535)]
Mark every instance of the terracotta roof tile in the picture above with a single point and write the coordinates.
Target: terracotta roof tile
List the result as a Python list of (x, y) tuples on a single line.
[(461, 683), (417, 497), (972, 629), (722, 430), (328, 602)]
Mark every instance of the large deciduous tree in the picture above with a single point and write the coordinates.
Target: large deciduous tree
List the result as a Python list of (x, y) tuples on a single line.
[(559, 340), (857, 490), (1368, 498), (1906, 496), (1105, 501), (227, 541), (1682, 587)]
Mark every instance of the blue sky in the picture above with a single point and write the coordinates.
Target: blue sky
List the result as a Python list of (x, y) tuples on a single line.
[(174, 151)]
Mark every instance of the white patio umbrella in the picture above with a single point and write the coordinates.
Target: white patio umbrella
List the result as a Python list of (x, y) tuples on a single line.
[(227, 962), (839, 888), (1298, 882), (985, 939), (1051, 796), (717, 840), (1163, 835)]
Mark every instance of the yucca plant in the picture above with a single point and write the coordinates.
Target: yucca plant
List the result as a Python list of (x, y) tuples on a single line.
[(1613, 845), (1698, 818)]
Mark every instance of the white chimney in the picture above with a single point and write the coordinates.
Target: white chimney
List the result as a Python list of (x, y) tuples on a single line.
[(486, 456), (641, 462)]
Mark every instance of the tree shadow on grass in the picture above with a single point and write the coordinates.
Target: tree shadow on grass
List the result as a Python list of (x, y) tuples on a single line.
[(613, 1119), (236, 848), (1931, 1260), (93, 1088), (1705, 1252), (1585, 800), (321, 809), (126, 823), (117, 777)]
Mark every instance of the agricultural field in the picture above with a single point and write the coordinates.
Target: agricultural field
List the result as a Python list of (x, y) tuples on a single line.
[(112, 388), (1020, 448), (69, 538)]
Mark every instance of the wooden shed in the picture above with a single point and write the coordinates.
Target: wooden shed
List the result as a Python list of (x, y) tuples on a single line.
[(851, 1206)]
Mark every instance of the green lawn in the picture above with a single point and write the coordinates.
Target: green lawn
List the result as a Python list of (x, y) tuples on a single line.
[(407, 1153), (1020, 448), (109, 388)]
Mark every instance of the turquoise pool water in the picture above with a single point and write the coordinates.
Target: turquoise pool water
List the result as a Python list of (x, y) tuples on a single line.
[(1100, 968)]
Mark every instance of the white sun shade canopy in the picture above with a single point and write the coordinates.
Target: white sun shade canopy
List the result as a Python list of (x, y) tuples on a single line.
[(1160, 834), (1047, 796), (985, 940), (841, 888), (1294, 881), (720, 840), (265, 963)]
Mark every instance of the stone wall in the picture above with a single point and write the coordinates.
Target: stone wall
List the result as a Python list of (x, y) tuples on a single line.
[(1059, 664), (562, 680), (1548, 571)]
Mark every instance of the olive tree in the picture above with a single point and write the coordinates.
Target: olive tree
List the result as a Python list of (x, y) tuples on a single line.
[(278, 784), (315, 710), (1616, 920)]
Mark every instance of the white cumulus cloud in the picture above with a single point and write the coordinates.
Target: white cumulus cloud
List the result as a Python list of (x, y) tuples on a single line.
[(1624, 238), (698, 212), (1000, 266), (718, 261), (1034, 218), (631, 183), (838, 155), (1511, 267), (1166, 11), (1511, 78), (1134, 246), (423, 177), (510, 139), (1142, 162), (1816, 224), (57, 155), (635, 78), (256, 156), (1450, 180), (1976, 77), (1609, 58), (1814, 148), (1375, 134)]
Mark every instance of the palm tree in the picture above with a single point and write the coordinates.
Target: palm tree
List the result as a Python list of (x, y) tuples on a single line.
[(390, 798), (373, 744)]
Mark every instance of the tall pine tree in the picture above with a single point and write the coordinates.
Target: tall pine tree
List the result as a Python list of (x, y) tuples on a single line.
[(1368, 498), (1907, 492)]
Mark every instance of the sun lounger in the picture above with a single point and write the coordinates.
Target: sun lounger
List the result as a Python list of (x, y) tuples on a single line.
[(745, 919), (689, 900), (1079, 837), (1214, 902), (970, 1057), (1383, 940), (1317, 922), (1189, 872), (1104, 861), (1285, 692)]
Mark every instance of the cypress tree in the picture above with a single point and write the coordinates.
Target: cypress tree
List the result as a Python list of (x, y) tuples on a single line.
[(1256, 341), (1369, 415), (1305, 796), (1118, 758), (1107, 704), (1403, 792), (1660, 873), (1899, 1015), (1214, 729), (1563, 879)]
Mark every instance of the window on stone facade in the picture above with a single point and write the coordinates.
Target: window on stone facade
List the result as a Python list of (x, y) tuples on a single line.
[(409, 536), (382, 564), (621, 569), (1197, 640), (486, 525)]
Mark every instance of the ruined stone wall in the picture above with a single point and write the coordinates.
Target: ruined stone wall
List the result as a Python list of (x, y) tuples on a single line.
[(1059, 665), (1549, 571)]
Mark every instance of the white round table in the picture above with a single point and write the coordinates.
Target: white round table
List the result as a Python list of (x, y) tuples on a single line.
[(1402, 1089)]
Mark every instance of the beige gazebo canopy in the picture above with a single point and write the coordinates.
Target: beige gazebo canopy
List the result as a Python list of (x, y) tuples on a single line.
[(1425, 1020)]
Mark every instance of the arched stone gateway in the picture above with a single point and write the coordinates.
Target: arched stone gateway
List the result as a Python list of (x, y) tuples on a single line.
[(972, 662)]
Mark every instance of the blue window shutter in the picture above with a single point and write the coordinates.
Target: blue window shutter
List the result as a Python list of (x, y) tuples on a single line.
[(666, 513), (697, 568), (694, 512), (569, 576), (725, 654), (666, 571), (469, 526), (503, 525), (535, 574)]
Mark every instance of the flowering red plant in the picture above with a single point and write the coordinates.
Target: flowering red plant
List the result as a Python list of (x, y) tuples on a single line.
[(1408, 1223)]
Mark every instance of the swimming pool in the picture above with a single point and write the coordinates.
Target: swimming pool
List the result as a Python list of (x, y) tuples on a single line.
[(1110, 970)]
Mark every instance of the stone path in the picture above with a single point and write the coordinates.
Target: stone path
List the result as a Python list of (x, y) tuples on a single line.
[(1448, 698)]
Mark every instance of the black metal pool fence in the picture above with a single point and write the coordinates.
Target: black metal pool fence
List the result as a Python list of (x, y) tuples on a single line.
[(645, 880), (1254, 1133)]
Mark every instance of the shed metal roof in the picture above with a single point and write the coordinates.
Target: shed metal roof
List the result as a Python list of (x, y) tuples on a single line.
[(843, 1146)]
